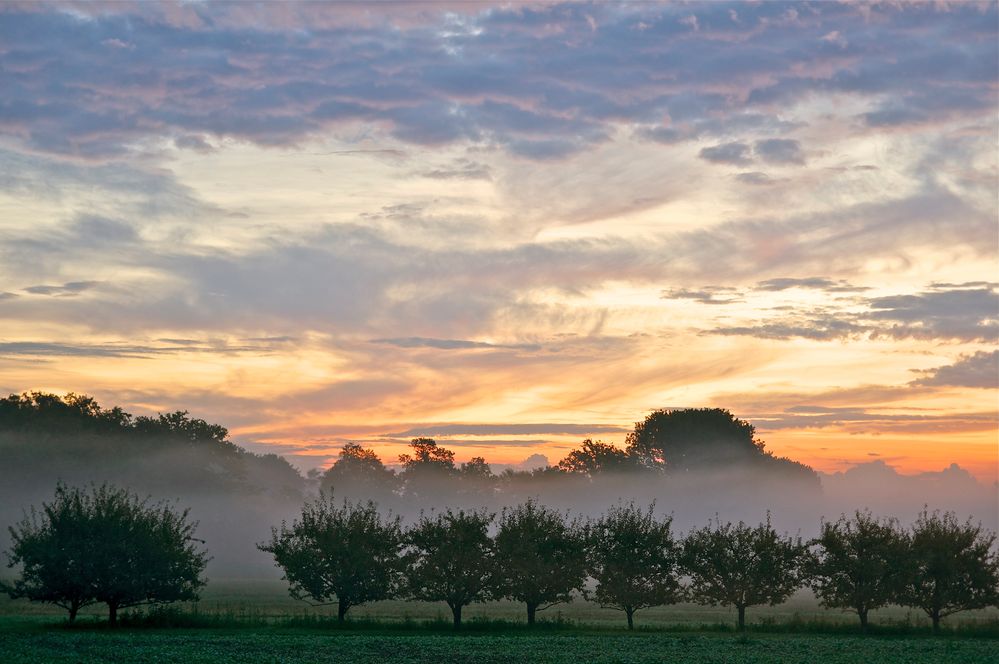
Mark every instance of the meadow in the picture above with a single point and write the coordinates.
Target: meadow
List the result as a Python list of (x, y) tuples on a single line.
[(255, 620)]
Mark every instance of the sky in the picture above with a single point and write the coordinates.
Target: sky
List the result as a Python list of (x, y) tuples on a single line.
[(510, 226)]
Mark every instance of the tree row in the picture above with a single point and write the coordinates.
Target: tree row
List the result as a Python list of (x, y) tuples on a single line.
[(105, 545)]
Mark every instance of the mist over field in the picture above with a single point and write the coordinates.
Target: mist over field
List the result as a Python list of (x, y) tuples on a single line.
[(238, 496)]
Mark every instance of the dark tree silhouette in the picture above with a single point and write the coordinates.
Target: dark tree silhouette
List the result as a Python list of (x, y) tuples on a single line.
[(857, 565), (359, 472), (111, 546), (684, 439), (451, 559), (950, 567), (634, 560), (427, 455), (740, 566), (593, 458), (540, 557), (347, 554)]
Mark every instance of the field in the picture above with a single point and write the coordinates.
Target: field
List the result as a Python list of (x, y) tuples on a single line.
[(239, 621)]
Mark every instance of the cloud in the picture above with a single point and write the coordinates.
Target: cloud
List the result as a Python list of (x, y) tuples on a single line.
[(68, 289), (958, 314), (704, 295), (980, 369), (779, 151), (816, 283), (450, 344), (727, 153), (548, 428)]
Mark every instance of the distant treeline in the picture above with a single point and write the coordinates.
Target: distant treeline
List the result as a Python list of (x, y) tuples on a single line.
[(105, 545), (60, 436)]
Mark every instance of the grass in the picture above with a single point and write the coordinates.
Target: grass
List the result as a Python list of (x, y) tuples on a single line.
[(239, 621)]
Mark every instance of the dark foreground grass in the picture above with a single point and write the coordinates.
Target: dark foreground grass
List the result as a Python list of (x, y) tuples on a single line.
[(278, 644)]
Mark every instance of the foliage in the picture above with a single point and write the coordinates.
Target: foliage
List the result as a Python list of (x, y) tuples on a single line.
[(359, 471), (858, 564), (689, 438), (344, 553), (105, 545), (740, 566), (451, 559), (634, 560), (540, 557), (593, 458), (950, 567)]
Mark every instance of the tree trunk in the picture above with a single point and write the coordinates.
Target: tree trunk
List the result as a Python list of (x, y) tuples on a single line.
[(630, 612), (113, 614), (935, 616), (863, 620), (742, 617), (72, 613), (456, 610), (532, 609), (341, 611)]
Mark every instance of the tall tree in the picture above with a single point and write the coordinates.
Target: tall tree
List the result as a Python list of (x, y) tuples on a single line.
[(634, 559), (741, 566), (120, 550), (857, 565), (540, 557), (685, 439), (593, 458), (950, 567), (359, 473), (343, 554), (451, 559)]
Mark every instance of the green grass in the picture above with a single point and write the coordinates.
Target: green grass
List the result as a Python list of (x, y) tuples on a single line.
[(284, 645), (239, 621)]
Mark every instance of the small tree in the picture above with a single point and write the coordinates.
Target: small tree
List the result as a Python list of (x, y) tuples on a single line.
[(740, 566), (451, 559), (950, 567), (634, 560), (858, 564), (347, 555), (106, 545), (540, 557)]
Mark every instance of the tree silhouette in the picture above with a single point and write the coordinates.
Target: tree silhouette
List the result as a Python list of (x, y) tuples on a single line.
[(634, 560), (106, 545), (359, 472), (540, 557), (858, 564), (690, 438), (345, 554), (451, 559), (950, 567), (593, 458), (740, 566)]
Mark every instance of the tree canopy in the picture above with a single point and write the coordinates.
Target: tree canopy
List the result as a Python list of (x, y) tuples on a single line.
[(106, 545), (345, 554)]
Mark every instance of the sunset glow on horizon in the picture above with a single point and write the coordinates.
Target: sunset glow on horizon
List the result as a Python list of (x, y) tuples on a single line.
[(510, 227)]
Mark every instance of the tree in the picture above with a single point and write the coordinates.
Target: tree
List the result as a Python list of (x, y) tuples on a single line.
[(634, 560), (106, 545), (359, 472), (593, 458), (950, 567), (346, 554), (540, 557), (451, 559), (740, 566), (428, 455), (689, 438), (857, 565)]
